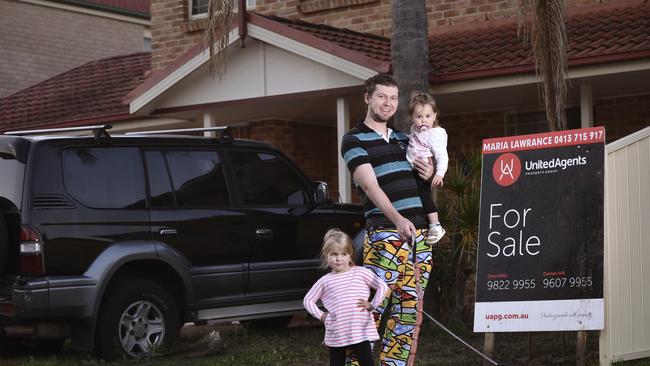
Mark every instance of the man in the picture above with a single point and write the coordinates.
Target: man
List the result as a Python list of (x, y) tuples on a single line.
[(376, 157)]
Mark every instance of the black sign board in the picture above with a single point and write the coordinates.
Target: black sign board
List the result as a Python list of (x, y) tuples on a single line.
[(540, 254)]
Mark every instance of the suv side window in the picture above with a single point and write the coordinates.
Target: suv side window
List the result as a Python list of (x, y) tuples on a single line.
[(265, 179), (104, 177), (197, 179)]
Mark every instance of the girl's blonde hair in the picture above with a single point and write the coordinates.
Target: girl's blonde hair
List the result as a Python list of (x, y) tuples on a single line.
[(422, 98), (336, 239)]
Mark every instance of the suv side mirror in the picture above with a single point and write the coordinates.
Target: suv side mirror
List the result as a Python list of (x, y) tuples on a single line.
[(321, 193)]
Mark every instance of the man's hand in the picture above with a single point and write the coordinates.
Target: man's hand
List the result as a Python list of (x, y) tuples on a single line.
[(437, 180), (405, 229), (424, 168)]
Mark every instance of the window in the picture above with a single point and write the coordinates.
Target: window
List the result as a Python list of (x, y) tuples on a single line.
[(199, 8), (266, 179), (197, 179), (535, 122), (104, 177)]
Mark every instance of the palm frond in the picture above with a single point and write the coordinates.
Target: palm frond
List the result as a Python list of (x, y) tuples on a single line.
[(457, 180), (543, 24), (215, 38)]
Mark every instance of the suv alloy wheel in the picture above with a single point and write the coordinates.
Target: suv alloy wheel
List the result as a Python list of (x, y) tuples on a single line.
[(138, 317)]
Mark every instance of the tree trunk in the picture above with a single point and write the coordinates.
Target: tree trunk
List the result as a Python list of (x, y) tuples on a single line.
[(544, 29), (409, 49)]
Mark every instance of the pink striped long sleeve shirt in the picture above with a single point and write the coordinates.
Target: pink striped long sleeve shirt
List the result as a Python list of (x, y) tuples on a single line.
[(347, 323)]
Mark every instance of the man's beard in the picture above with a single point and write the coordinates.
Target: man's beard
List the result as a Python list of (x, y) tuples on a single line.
[(379, 118)]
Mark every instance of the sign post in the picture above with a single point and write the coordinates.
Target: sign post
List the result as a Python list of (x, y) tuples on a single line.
[(540, 254)]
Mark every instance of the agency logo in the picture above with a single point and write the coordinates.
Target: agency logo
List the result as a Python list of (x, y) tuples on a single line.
[(506, 169)]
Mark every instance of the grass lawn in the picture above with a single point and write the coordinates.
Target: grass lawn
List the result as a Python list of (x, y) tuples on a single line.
[(299, 345)]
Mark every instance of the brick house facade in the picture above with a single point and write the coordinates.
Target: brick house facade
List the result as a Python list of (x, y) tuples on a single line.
[(173, 33), (484, 79)]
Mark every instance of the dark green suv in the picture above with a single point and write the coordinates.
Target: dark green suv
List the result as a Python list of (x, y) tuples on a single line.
[(116, 241)]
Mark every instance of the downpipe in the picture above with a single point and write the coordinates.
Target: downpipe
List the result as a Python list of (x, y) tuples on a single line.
[(37, 331)]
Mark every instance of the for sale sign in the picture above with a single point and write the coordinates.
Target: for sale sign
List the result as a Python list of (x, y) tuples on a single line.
[(540, 253)]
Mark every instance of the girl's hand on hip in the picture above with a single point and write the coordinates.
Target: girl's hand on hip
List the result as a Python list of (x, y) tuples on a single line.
[(365, 305)]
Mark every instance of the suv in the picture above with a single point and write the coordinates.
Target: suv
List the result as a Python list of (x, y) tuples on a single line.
[(116, 241)]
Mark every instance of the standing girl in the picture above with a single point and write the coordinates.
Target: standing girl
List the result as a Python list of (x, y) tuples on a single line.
[(427, 140), (344, 293)]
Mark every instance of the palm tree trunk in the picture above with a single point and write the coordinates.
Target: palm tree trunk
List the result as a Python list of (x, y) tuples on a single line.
[(409, 49), (544, 29)]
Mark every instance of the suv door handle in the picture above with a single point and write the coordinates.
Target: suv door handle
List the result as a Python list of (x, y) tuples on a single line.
[(263, 233), (168, 232)]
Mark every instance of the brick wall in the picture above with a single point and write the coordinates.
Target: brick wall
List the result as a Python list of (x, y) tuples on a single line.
[(172, 33), (369, 16), (311, 147), (39, 42), (623, 115), (466, 131)]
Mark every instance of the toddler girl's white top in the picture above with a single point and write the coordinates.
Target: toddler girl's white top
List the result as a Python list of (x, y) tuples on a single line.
[(429, 142)]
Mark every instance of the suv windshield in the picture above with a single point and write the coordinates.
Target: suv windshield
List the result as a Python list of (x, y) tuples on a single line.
[(11, 180)]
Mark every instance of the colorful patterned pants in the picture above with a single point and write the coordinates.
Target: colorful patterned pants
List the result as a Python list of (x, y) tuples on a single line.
[(392, 260)]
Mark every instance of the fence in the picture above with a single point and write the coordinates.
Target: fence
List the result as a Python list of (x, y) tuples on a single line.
[(627, 249)]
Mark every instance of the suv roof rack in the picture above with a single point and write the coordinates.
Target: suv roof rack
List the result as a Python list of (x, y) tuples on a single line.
[(225, 132), (99, 131)]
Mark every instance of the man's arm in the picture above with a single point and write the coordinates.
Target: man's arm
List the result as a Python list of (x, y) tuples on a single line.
[(365, 177)]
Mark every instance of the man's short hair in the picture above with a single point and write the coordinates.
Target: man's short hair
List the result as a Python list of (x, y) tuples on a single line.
[(380, 79)]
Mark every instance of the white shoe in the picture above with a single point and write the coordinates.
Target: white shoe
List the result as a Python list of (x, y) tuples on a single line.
[(435, 234)]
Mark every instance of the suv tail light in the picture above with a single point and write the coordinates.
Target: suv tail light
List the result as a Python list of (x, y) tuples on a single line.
[(31, 251)]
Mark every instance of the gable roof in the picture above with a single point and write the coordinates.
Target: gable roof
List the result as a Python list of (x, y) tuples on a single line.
[(93, 91)]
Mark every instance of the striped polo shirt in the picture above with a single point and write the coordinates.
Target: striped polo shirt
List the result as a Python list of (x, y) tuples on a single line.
[(396, 178)]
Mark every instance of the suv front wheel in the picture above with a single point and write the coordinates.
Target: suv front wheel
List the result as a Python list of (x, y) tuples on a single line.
[(137, 317)]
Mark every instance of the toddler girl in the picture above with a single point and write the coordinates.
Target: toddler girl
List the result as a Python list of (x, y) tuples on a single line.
[(344, 293), (428, 139)]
